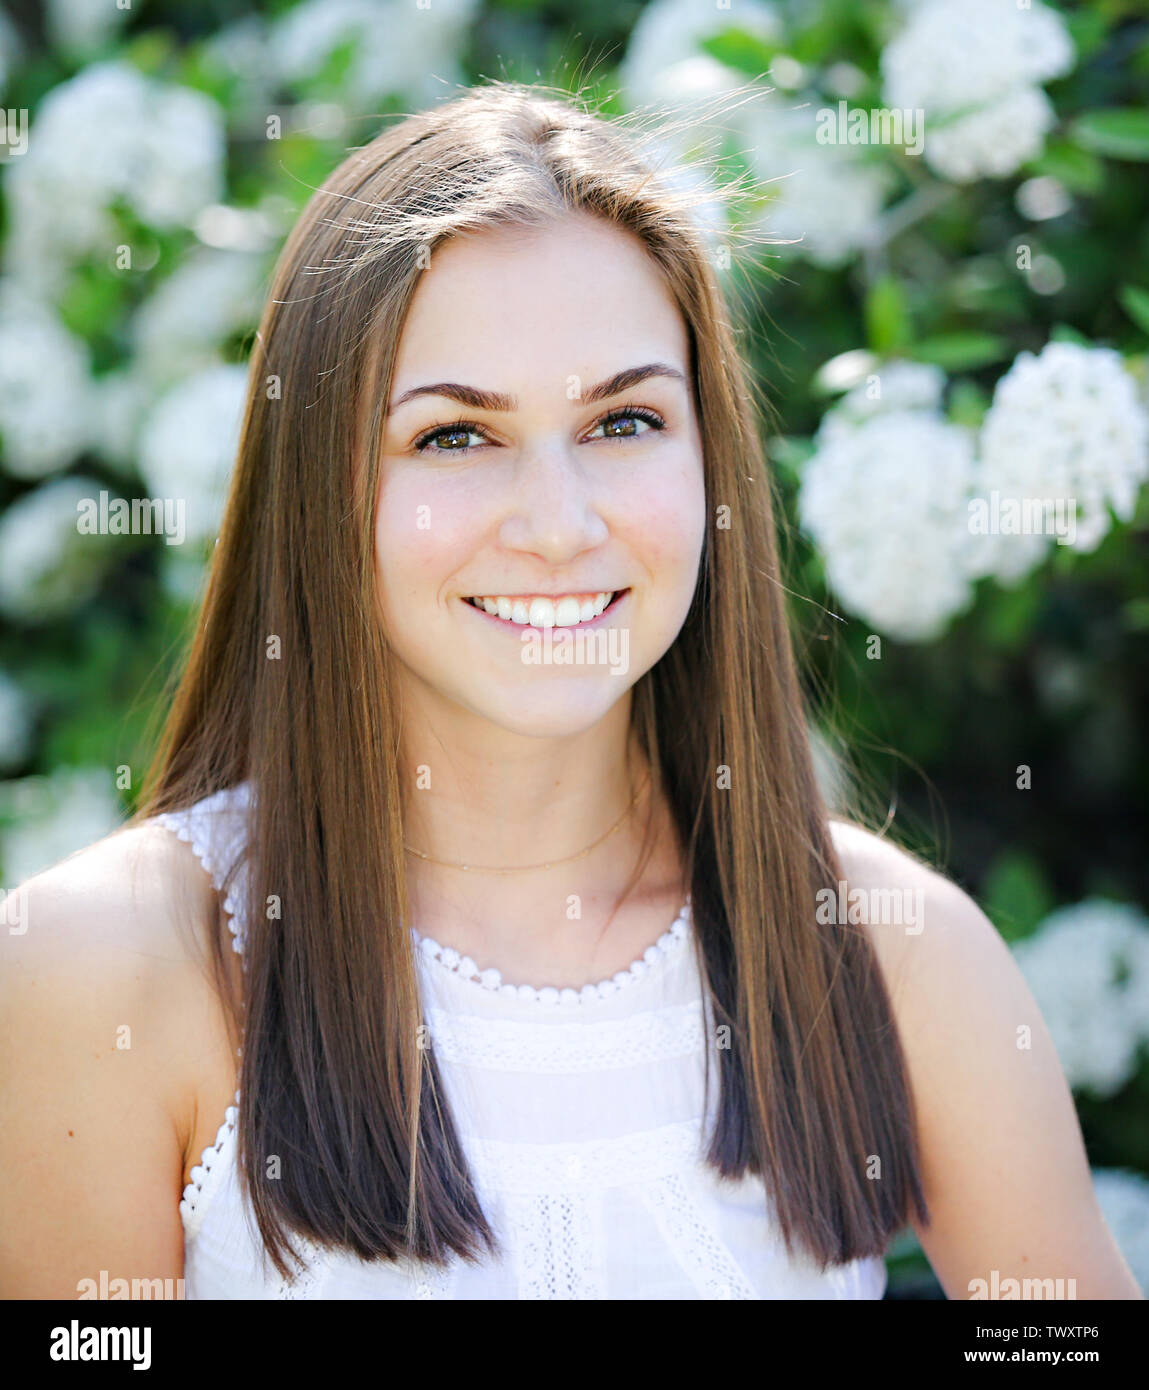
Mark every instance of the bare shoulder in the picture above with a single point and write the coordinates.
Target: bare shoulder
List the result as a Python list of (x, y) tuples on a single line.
[(1006, 1175), (128, 894), (105, 996), (915, 916)]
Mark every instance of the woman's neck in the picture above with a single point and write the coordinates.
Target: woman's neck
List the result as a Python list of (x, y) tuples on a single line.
[(485, 797)]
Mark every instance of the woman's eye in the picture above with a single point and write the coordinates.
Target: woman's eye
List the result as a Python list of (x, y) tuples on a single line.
[(453, 439), (623, 424)]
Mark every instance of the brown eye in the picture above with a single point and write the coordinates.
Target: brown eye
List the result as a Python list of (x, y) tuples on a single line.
[(452, 438), (623, 424)]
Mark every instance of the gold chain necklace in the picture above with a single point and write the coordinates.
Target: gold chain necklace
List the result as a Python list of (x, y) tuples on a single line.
[(522, 868)]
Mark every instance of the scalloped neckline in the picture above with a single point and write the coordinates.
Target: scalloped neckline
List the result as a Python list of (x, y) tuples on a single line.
[(491, 981)]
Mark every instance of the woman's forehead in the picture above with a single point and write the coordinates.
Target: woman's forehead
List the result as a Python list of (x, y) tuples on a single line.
[(561, 301)]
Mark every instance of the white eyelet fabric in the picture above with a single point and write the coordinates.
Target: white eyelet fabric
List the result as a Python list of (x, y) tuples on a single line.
[(581, 1114)]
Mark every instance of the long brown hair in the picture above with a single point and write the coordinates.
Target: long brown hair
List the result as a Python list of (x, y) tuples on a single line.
[(813, 1083)]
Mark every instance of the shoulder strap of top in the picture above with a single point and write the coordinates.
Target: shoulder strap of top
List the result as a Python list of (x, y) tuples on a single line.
[(216, 828)]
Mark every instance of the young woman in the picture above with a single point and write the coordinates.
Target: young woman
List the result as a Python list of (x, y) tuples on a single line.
[(487, 798)]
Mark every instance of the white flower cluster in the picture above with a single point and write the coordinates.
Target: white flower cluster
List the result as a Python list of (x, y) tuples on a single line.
[(1066, 425), (828, 198), (394, 47), (47, 567), (824, 200), (1124, 1201), (898, 386), (975, 68), (894, 485), (52, 817), (109, 133), (45, 388), (1088, 968), (109, 136), (664, 65), (80, 26), (189, 441), (212, 294), (891, 491)]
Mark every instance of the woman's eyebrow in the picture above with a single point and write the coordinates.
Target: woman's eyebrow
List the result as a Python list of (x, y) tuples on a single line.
[(479, 399)]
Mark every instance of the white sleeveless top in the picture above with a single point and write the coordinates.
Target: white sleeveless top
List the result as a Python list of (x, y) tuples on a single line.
[(581, 1115)]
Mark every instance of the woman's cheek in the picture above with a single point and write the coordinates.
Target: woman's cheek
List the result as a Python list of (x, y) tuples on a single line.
[(418, 538)]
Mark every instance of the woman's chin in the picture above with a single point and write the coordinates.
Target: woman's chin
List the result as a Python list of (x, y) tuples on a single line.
[(558, 708)]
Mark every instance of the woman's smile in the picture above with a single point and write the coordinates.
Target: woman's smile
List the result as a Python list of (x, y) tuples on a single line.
[(542, 610)]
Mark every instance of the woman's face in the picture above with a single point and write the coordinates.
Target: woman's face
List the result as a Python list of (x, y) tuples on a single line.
[(517, 471)]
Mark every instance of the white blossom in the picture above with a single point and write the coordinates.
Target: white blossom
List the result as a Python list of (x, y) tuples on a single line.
[(396, 47), (78, 26), (188, 445), (1088, 968), (825, 199), (45, 388), (974, 67), (1064, 425), (896, 385), (1124, 1201), (15, 722), (109, 133), (242, 50), (664, 65), (886, 504), (47, 567), (54, 817), (210, 296), (120, 399), (994, 140), (822, 201)]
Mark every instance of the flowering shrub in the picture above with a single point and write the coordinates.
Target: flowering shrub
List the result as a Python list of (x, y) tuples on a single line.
[(940, 265)]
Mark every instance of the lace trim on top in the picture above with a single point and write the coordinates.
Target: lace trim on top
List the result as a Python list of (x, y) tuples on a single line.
[(215, 829), (466, 969), (195, 1194)]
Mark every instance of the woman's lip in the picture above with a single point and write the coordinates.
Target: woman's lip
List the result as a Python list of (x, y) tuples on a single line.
[(620, 597)]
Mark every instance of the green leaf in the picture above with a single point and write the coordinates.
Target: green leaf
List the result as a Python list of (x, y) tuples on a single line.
[(887, 316), (1015, 895), (1135, 613), (150, 51), (742, 50), (961, 352), (789, 453), (1088, 31), (1066, 333), (1079, 170), (968, 404), (1010, 616), (1118, 132), (1135, 302)]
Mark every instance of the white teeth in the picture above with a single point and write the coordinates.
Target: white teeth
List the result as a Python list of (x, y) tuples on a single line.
[(542, 613), (567, 611)]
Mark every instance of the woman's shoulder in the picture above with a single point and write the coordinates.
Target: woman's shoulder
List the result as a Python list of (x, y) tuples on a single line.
[(106, 955), (1007, 1174), (913, 913), (125, 902), (112, 1025)]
